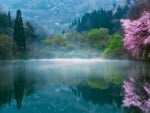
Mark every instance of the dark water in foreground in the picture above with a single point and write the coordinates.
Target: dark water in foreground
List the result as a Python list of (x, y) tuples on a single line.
[(74, 86)]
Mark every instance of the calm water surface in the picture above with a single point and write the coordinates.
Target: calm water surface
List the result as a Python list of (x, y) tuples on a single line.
[(74, 86)]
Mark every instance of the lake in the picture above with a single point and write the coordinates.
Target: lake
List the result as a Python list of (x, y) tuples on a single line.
[(74, 86)]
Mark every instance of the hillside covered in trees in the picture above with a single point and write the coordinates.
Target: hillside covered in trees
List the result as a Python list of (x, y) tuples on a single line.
[(102, 18), (55, 15), (101, 33)]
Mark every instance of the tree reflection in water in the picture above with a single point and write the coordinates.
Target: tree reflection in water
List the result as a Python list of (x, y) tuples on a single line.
[(19, 85), (137, 90), (99, 89), (14, 85)]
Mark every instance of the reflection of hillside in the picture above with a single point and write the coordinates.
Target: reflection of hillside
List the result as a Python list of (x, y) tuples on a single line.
[(93, 83), (109, 96), (94, 74), (14, 85)]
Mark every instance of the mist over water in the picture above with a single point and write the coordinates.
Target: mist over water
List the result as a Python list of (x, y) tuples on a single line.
[(66, 85)]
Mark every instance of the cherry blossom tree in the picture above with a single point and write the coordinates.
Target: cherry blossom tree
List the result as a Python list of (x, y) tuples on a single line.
[(137, 36)]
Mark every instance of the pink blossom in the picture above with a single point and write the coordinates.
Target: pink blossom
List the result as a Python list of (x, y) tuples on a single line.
[(137, 93), (147, 88), (131, 99), (137, 34), (147, 41)]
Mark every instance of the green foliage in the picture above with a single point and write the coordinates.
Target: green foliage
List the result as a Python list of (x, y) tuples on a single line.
[(72, 37), (60, 40), (57, 40), (117, 79), (77, 40), (47, 41), (6, 46), (114, 47), (85, 44), (98, 84), (98, 38)]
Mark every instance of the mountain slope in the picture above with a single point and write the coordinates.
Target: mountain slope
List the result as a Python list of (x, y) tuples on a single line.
[(55, 15)]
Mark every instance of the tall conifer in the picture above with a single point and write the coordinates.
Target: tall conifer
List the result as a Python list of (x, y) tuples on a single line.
[(19, 37)]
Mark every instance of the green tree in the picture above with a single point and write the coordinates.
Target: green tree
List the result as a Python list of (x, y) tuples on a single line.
[(6, 45), (47, 41), (19, 37), (77, 39), (114, 47), (59, 40), (98, 38)]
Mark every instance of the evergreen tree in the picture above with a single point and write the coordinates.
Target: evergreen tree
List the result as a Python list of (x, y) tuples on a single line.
[(9, 19), (19, 37), (30, 35)]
